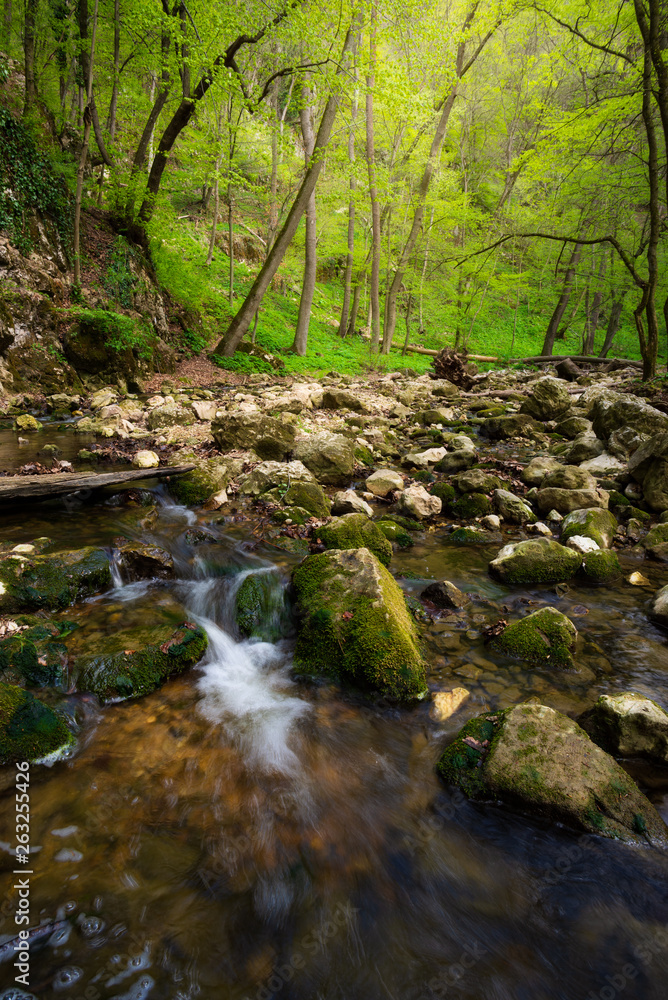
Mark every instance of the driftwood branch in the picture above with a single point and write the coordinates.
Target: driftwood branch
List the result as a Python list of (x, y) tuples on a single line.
[(540, 359), (28, 488)]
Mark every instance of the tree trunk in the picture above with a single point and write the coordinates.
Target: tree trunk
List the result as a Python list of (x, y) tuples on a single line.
[(88, 120), (29, 55), (230, 243), (613, 326), (409, 305), (214, 224), (562, 304), (7, 28), (310, 252), (348, 276), (273, 183), (355, 308), (113, 103), (373, 194), (594, 311), (242, 320)]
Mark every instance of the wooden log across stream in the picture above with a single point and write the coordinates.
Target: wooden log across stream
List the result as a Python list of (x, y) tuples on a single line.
[(29, 488)]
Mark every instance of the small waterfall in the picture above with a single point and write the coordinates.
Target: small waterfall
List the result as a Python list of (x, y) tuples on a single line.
[(115, 569), (245, 684)]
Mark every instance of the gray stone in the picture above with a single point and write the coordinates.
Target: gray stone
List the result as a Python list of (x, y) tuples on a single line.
[(537, 560), (566, 501), (266, 475), (628, 725), (547, 399), (268, 437), (614, 410), (599, 525), (538, 468), (348, 502), (445, 595), (512, 509), (417, 503), (384, 481), (330, 457)]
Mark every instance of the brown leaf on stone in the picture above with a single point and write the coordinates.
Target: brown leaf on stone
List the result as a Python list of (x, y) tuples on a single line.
[(492, 631)]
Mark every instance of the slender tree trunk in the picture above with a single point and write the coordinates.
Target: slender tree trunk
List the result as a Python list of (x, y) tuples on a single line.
[(374, 286), (214, 224), (613, 326), (593, 316), (562, 304), (424, 265), (348, 276), (273, 183), (113, 103), (7, 27), (409, 306), (230, 241), (88, 120), (310, 250), (29, 54), (241, 322), (355, 308)]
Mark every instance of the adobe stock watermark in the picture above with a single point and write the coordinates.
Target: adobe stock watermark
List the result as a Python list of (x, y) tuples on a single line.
[(645, 952), (310, 945), (22, 884)]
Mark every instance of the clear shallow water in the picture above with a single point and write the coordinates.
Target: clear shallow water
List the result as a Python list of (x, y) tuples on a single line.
[(240, 835)]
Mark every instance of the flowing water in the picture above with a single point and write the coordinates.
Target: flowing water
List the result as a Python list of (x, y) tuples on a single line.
[(240, 835)]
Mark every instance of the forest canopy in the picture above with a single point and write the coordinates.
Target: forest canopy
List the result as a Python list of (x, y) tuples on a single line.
[(479, 174)]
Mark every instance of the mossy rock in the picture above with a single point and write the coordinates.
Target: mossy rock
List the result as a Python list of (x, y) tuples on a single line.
[(354, 625), (600, 525), (261, 610), (363, 456), (126, 672), (628, 725), (407, 523), (476, 481), (35, 656), (29, 730), (445, 492), (395, 533), (195, 487), (537, 560), (541, 761), (545, 637), (27, 423), (470, 505), (29, 583), (356, 531), (601, 567), (309, 496), (656, 536), (295, 515), (473, 536)]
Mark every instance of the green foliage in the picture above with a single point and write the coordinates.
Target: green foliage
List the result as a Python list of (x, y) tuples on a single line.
[(119, 281), (118, 331), (28, 183), (244, 364)]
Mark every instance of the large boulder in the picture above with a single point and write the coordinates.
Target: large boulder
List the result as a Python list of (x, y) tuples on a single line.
[(538, 468), (384, 481), (614, 410), (416, 502), (565, 501), (29, 729), (142, 561), (510, 426), (348, 502), (268, 437), (649, 466), (548, 399), (512, 509), (136, 661), (546, 637), (356, 531), (267, 475), (537, 560), (600, 525), (339, 399), (659, 607), (169, 415), (569, 477), (330, 457), (628, 725), (354, 625), (310, 497), (208, 479), (30, 582), (476, 481), (540, 760)]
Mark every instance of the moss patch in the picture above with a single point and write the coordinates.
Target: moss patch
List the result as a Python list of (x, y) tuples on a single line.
[(29, 729), (261, 612), (601, 567), (355, 626), (51, 581), (35, 656), (356, 531), (544, 637)]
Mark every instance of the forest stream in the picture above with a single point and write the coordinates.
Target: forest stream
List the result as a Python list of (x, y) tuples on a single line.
[(241, 834)]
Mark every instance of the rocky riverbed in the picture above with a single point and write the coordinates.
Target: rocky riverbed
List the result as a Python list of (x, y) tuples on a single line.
[(462, 597)]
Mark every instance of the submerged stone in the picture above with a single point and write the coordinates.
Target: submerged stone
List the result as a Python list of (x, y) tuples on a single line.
[(29, 730), (51, 582), (354, 625), (540, 760), (139, 561), (138, 661), (445, 595)]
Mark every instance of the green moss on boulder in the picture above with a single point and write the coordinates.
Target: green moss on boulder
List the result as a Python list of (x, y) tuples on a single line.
[(35, 656), (31, 582), (29, 730), (541, 761), (193, 488), (354, 625), (537, 560), (309, 496), (545, 637), (470, 505), (473, 536), (261, 611), (356, 531), (601, 567), (125, 672), (594, 523)]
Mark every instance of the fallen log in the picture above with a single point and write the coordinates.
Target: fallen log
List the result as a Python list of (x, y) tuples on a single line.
[(28, 488), (428, 350), (578, 358)]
